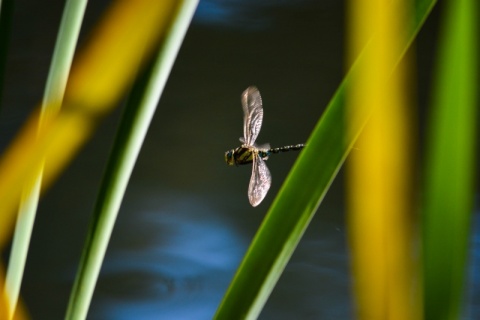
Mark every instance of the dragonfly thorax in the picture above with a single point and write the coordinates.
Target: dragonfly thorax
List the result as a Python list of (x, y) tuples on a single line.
[(244, 155)]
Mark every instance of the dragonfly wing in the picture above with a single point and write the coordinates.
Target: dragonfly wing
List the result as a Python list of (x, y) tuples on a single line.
[(252, 114), (259, 182)]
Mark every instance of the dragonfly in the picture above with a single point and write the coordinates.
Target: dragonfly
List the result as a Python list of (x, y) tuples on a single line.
[(250, 152)]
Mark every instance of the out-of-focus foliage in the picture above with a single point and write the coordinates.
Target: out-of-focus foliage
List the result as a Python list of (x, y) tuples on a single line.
[(379, 169), (450, 166)]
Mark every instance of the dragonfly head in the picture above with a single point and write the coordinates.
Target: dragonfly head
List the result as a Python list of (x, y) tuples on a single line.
[(229, 158)]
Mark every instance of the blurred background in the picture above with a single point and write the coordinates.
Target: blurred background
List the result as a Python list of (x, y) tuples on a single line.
[(186, 222)]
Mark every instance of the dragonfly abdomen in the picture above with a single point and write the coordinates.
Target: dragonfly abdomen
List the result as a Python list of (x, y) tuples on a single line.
[(299, 146)]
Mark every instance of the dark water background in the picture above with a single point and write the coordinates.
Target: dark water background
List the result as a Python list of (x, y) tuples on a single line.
[(186, 222)]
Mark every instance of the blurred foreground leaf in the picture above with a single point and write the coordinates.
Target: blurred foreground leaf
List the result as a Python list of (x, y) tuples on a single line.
[(5, 312), (135, 122), (379, 171), (451, 166), (65, 45), (100, 74)]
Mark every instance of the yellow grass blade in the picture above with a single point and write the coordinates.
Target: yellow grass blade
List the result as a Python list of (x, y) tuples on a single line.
[(5, 312), (101, 73), (379, 170)]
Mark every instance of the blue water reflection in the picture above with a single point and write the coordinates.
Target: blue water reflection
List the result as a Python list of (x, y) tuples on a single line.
[(247, 15), (472, 307), (178, 266), (173, 256)]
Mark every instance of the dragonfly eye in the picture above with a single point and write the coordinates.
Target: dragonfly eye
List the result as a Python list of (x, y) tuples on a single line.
[(229, 158)]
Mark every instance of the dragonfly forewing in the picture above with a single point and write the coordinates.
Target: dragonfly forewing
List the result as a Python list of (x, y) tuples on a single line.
[(260, 181), (252, 114)]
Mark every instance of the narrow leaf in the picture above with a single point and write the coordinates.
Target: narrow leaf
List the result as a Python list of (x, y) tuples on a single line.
[(450, 166), (131, 133)]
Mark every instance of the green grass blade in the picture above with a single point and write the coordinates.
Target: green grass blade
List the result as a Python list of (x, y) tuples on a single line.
[(64, 52), (450, 166), (54, 90), (133, 128), (299, 198)]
